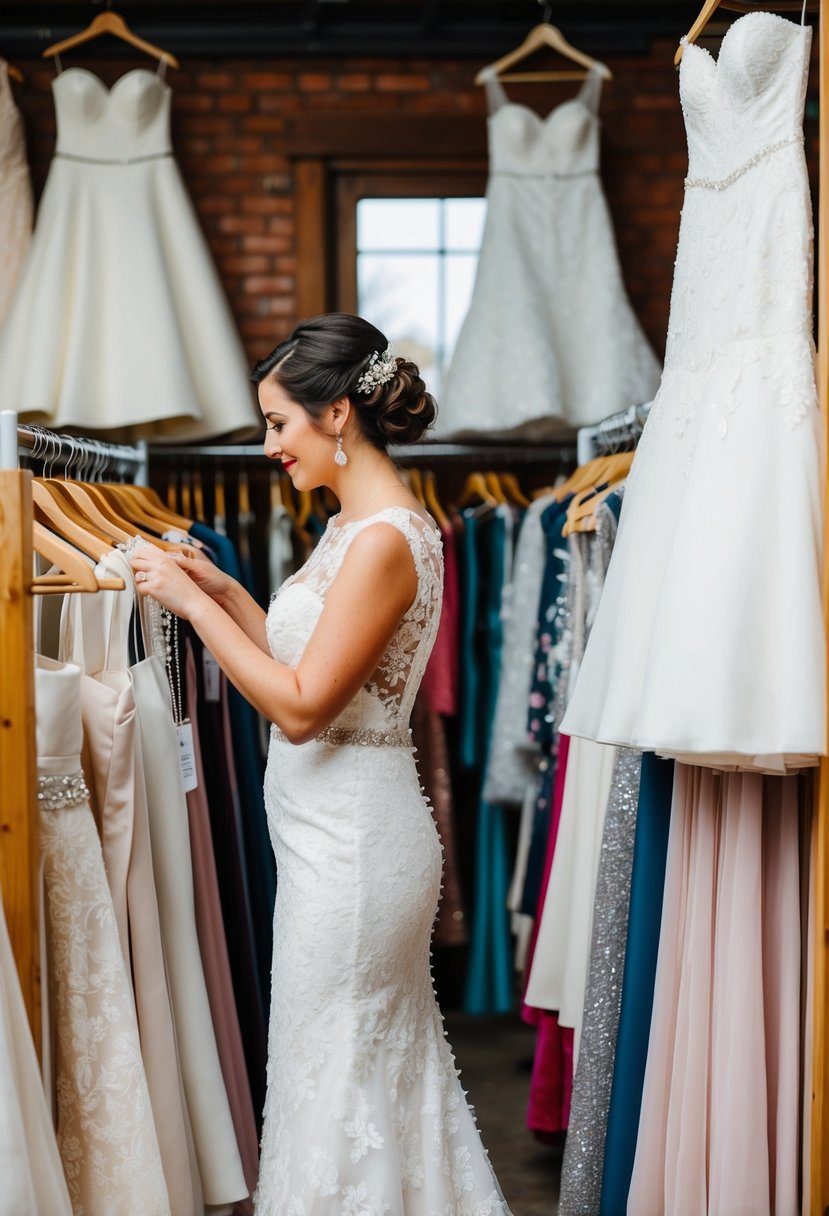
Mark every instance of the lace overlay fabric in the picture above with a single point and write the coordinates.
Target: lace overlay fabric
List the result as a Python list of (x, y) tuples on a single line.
[(687, 656), (548, 280), (364, 1114)]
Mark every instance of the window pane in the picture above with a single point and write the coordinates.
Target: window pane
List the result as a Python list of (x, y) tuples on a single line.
[(398, 223), (460, 278), (399, 294), (465, 222)]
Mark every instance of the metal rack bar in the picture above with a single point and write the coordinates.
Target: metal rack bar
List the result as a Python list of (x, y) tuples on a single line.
[(501, 454), (64, 450)]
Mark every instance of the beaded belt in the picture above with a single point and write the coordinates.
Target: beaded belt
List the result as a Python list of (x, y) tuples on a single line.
[(123, 160), (394, 736), (59, 793), (710, 183)]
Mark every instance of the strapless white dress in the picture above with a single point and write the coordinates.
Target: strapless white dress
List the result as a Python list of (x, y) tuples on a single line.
[(119, 319), (709, 640)]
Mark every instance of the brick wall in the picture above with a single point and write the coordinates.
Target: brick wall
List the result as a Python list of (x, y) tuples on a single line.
[(229, 117)]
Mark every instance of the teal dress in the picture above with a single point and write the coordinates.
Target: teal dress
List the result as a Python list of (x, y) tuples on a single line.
[(489, 975), (650, 853)]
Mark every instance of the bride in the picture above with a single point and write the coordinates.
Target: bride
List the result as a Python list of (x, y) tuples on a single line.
[(364, 1114)]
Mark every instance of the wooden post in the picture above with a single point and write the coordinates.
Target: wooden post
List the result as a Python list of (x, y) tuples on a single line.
[(19, 849)]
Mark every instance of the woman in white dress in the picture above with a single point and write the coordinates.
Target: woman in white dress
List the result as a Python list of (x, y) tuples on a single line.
[(364, 1114)]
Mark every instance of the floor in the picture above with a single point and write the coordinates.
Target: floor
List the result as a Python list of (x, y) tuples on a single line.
[(494, 1056)]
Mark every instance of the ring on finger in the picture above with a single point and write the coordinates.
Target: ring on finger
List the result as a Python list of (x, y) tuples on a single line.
[(141, 576)]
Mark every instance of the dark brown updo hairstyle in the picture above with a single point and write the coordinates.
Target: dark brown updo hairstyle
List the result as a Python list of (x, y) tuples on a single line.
[(322, 361)]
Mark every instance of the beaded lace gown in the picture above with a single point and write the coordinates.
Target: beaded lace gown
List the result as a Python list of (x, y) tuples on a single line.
[(708, 644), (528, 359), (364, 1114)]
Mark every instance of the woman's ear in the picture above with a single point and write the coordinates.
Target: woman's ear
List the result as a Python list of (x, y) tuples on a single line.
[(340, 412)]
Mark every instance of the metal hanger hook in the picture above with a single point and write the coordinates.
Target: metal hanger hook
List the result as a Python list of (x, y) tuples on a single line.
[(546, 10)]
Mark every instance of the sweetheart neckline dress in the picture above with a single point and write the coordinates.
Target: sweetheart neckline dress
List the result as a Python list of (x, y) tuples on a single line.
[(119, 322)]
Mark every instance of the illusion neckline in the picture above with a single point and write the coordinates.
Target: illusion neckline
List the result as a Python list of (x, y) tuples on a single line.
[(763, 13), (350, 523), (109, 90)]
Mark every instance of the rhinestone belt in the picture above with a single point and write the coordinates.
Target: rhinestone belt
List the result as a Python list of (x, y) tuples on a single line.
[(710, 183), (125, 160), (58, 793), (396, 736)]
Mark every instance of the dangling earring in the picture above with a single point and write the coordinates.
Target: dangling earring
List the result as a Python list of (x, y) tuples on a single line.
[(340, 457)]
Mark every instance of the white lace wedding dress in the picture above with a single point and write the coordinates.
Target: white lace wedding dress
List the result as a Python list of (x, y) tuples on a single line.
[(709, 639), (364, 1114), (550, 341)]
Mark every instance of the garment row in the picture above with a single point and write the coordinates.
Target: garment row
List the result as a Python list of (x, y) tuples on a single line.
[(150, 868), (610, 843)]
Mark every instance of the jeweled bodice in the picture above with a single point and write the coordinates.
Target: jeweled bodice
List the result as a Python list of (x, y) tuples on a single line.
[(750, 99), (385, 701)]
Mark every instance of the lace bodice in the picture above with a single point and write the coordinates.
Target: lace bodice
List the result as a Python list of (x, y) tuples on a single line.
[(565, 142), (747, 100), (385, 702)]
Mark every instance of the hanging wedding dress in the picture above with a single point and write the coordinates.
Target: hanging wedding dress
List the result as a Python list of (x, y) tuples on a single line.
[(15, 193), (550, 341), (30, 1166), (106, 1131), (364, 1112), (119, 319), (709, 641)]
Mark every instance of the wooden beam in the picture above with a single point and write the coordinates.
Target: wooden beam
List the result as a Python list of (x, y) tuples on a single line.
[(818, 1152), (19, 849), (313, 277)]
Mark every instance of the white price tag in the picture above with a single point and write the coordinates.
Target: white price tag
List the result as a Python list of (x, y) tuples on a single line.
[(186, 755), (212, 677)]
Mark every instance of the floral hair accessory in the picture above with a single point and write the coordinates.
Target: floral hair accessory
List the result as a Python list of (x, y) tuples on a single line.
[(380, 370)]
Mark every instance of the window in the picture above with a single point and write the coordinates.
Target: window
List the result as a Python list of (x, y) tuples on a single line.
[(416, 261)]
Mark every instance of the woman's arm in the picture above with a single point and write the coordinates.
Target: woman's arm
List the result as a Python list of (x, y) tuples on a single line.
[(375, 585)]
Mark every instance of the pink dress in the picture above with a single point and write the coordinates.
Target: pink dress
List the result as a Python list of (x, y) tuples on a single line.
[(718, 1127)]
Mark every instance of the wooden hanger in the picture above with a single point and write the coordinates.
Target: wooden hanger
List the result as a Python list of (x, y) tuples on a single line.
[(155, 506), (495, 488), (14, 73), (198, 495), (281, 494), (475, 489), (433, 504), (50, 510), (737, 6), (125, 506), (78, 494), (219, 502), (77, 574), (581, 513), (543, 35), (303, 512), (513, 491), (414, 480), (114, 24)]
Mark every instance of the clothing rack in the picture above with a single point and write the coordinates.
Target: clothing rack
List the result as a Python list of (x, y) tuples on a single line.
[(492, 454), (19, 860), (19, 848), (616, 433), (73, 453)]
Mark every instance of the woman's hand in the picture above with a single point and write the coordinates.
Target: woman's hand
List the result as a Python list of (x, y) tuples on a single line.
[(204, 573), (160, 574)]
